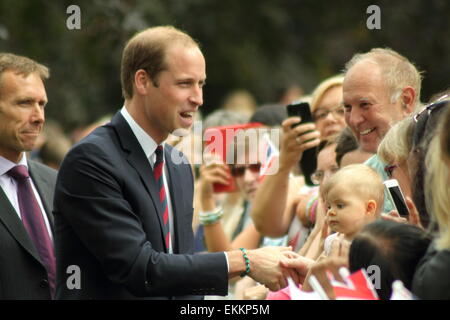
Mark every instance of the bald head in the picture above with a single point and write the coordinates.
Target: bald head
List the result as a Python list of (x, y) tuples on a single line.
[(396, 70)]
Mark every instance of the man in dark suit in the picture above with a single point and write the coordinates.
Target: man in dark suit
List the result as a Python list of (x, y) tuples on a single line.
[(27, 264), (123, 224)]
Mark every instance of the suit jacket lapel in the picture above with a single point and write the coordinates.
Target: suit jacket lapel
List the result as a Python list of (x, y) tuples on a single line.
[(45, 190), (12, 222), (137, 159)]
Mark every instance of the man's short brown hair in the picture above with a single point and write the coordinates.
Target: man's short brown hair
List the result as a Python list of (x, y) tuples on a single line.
[(21, 65), (146, 50)]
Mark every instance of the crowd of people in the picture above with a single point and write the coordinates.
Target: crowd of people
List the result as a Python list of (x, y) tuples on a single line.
[(138, 224)]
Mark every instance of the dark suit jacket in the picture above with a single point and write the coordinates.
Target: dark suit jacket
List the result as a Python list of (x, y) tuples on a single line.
[(107, 224), (22, 274)]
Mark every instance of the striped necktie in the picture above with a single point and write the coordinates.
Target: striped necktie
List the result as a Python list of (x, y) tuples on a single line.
[(158, 174)]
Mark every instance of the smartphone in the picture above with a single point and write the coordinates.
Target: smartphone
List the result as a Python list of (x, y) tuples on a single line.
[(300, 109), (308, 162), (397, 197)]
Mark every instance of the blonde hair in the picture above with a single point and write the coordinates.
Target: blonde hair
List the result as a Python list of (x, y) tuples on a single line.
[(396, 69), (323, 87), (437, 192), (397, 143), (361, 179)]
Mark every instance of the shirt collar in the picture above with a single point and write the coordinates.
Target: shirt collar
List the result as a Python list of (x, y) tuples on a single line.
[(6, 165), (145, 140)]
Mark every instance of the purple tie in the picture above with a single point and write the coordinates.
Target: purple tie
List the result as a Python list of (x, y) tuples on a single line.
[(157, 173), (33, 221)]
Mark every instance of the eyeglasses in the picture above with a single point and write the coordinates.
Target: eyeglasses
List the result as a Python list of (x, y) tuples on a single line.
[(317, 177), (389, 169), (430, 107), (239, 171), (321, 114)]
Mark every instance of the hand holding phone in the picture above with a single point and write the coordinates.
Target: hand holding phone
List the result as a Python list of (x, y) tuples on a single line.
[(397, 197), (300, 109), (308, 162)]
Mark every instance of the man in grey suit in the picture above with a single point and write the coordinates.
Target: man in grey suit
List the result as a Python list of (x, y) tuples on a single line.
[(27, 264)]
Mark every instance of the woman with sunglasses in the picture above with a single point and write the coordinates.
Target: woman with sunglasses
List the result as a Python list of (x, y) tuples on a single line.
[(246, 177)]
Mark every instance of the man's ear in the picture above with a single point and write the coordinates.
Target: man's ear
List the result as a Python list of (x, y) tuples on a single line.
[(141, 81), (371, 207), (408, 99)]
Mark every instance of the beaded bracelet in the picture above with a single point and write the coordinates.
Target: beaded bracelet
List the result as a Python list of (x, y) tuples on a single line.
[(247, 263), (210, 217)]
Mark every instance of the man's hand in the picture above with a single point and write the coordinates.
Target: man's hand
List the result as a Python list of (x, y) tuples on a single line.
[(265, 266)]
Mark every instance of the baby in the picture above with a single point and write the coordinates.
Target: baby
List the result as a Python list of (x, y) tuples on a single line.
[(354, 198)]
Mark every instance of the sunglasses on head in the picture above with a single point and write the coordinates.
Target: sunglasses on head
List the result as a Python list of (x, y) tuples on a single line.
[(422, 118), (239, 171), (434, 105)]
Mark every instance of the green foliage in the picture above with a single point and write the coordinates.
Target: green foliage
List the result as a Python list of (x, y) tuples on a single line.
[(260, 45)]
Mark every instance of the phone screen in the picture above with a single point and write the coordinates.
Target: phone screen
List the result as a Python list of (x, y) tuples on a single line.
[(399, 201)]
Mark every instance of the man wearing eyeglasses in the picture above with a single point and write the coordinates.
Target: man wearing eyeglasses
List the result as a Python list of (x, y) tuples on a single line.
[(380, 88)]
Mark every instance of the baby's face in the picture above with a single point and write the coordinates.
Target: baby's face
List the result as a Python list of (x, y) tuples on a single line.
[(346, 211)]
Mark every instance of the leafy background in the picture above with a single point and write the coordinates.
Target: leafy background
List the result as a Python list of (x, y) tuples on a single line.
[(261, 46)]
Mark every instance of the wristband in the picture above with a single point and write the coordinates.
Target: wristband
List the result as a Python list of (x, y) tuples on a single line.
[(247, 263), (210, 217)]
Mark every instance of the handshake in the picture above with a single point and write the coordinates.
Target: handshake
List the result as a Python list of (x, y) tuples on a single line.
[(269, 266)]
